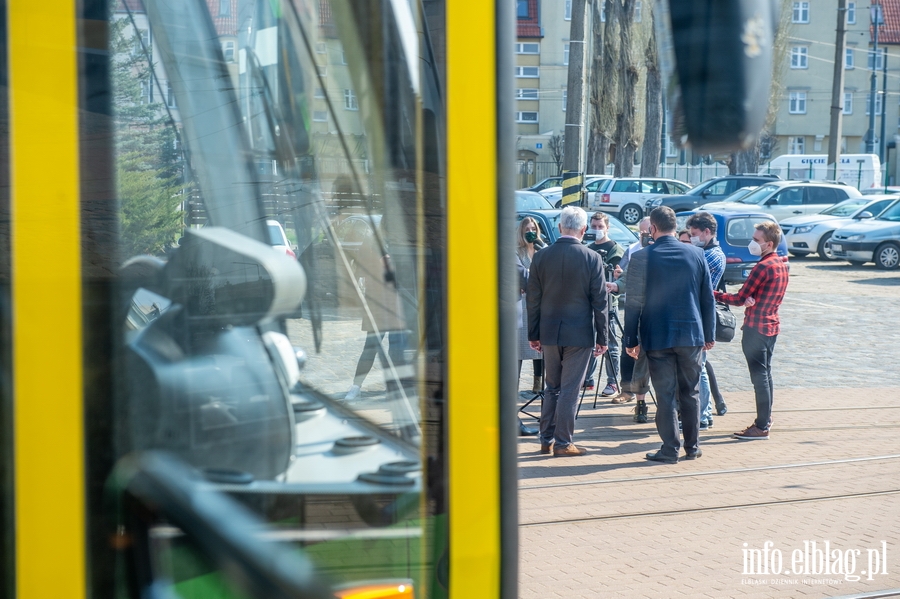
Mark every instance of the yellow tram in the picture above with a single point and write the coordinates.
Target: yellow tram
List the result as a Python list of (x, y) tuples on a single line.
[(217, 215)]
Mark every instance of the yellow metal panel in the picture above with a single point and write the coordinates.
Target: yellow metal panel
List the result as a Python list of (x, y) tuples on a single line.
[(48, 445), (473, 359)]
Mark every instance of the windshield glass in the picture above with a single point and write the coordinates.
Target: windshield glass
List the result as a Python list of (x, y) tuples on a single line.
[(695, 191), (845, 208), (759, 195), (531, 201), (891, 214)]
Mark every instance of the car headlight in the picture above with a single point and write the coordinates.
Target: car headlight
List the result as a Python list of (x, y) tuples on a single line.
[(856, 237), (654, 202), (805, 229)]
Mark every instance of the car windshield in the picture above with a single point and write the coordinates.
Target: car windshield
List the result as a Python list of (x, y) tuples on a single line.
[(276, 237), (740, 193), (739, 231), (759, 195), (892, 214), (700, 188), (621, 234), (845, 208), (526, 200)]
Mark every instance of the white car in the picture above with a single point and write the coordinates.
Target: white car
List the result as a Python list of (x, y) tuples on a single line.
[(554, 194), (786, 199), (626, 197), (810, 233), (278, 239)]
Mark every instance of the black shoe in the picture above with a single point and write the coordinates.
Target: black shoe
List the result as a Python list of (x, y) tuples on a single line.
[(709, 422), (524, 431), (694, 455), (658, 456), (640, 412), (721, 408), (704, 426)]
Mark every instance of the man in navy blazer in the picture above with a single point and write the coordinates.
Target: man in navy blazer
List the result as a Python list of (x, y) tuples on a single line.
[(567, 321), (670, 314)]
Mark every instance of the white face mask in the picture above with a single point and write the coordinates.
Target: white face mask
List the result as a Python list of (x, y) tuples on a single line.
[(697, 241), (755, 248), (600, 233)]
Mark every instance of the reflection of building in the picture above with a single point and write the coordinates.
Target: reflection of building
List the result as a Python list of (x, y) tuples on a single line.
[(804, 103)]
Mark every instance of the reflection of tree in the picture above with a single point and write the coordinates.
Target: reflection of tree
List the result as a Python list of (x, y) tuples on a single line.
[(148, 170)]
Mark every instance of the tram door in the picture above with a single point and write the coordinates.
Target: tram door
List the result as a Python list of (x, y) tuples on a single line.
[(236, 296)]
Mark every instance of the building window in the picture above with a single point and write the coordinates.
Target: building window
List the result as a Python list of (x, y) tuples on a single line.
[(566, 53), (224, 8), (817, 144), (565, 99), (797, 102), (320, 48), (800, 13), (568, 16), (527, 117), (343, 56), (322, 70), (350, 100), (796, 145), (228, 51), (848, 59), (146, 91), (528, 72), (170, 95), (320, 93), (522, 9), (637, 11), (877, 103), (851, 13), (848, 103), (526, 94), (879, 59), (141, 41), (320, 116), (528, 48), (800, 57)]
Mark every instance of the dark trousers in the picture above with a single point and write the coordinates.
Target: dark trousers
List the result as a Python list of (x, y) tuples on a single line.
[(676, 377), (612, 362), (758, 350), (372, 348), (564, 370)]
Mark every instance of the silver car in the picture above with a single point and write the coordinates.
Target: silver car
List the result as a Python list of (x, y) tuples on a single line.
[(810, 233), (872, 240)]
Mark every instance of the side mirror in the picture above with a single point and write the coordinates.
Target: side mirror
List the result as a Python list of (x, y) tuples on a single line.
[(865, 214), (705, 192), (771, 201)]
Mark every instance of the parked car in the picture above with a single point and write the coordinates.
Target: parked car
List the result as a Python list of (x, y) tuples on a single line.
[(554, 194), (548, 221), (712, 190), (544, 184), (734, 232), (626, 197), (530, 200), (810, 233), (872, 240), (784, 199), (278, 239)]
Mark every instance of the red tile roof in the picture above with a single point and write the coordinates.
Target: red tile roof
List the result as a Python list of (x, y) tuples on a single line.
[(889, 33), (531, 27)]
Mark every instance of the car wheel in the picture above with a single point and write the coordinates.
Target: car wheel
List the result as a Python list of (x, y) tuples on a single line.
[(887, 256), (823, 249), (631, 214)]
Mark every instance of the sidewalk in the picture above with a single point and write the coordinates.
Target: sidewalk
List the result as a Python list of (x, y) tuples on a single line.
[(611, 524)]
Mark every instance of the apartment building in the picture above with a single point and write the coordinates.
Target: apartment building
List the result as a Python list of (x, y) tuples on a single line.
[(804, 103)]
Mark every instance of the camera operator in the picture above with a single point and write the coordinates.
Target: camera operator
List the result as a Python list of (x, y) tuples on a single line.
[(612, 253)]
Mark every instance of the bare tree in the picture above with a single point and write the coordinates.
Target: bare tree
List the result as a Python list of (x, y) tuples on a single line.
[(604, 84), (650, 152), (626, 144), (557, 145)]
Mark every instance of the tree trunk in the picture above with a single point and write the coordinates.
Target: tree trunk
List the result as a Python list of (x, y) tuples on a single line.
[(628, 78), (651, 151), (745, 161), (605, 83)]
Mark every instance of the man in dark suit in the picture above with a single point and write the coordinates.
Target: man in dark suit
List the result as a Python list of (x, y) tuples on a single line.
[(670, 314), (568, 322)]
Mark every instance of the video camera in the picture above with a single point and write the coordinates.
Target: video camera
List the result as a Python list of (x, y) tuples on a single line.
[(609, 266)]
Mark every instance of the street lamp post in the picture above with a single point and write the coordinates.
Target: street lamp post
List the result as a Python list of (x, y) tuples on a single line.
[(875, 12)]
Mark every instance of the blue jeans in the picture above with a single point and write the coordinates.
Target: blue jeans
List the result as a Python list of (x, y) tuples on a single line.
[(705, 395), (758, 350)]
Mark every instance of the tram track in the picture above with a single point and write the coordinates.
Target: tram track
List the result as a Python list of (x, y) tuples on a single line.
[(728, 471), (707, 509)]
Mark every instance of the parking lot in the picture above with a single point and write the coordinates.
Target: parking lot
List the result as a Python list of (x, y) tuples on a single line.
[(611, 524)]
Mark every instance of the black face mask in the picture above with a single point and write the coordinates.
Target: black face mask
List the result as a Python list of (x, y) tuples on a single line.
[(646, 239), (530, 236)]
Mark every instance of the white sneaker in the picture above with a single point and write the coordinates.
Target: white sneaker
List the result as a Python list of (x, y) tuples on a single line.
[(353, 393)]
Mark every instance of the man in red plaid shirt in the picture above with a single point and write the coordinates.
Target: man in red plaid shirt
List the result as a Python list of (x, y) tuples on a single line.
[(762, 293)]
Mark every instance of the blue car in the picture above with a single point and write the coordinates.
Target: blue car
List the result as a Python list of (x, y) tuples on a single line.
[(548, 221), (735, 230)]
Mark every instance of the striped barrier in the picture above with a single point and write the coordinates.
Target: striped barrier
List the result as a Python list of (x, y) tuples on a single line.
[(572, 188)]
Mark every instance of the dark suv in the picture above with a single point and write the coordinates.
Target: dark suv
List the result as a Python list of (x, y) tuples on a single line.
[(708, 191)]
